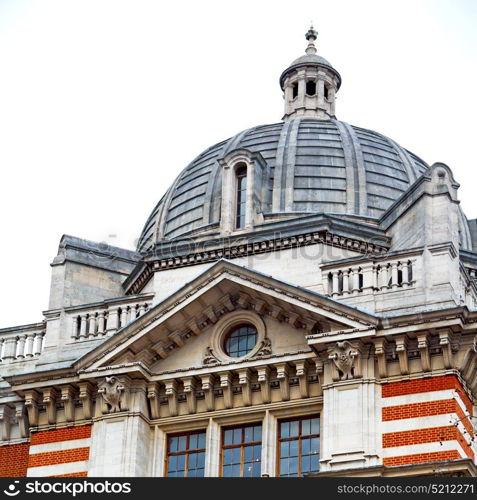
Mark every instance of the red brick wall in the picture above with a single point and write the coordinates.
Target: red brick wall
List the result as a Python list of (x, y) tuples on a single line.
[(66, 434), (14, 460), (421, 458), (426, 385)]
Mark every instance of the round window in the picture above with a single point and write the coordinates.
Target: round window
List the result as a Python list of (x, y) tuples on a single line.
[(240, 341)]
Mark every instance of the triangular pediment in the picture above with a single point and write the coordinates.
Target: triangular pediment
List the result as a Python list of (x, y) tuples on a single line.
[(225, 289)]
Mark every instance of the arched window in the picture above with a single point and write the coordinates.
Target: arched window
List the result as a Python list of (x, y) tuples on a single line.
[(310, 88), (241, 203), (295, 90), (240, 341)]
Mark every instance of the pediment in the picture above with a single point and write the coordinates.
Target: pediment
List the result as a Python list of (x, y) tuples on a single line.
[(179, 332)]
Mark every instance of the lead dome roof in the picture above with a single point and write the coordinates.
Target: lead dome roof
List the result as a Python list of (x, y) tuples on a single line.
[(327, 166)]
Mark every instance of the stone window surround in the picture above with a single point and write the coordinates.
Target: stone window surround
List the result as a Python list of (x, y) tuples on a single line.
[(213, 426), (225, 325)]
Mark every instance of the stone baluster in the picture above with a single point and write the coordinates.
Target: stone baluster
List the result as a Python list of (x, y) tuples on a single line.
[(383, 275), (346, 274), (101, 323), (2, 349), (335, 283), (83, 326), (132, 312), (142, 309), (356, 287), (74, 327), (10, 349), (375, 279), (92, 325), (20, 354), (124, 317), (394, 275), (405, 273), (112, 323), (29, 345), (38, 344)]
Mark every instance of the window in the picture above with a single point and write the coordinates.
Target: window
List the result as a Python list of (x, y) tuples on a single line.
[(299, 446), (310, 88), (186, 455), (240, 341), (295, 90), (241, 197), (327, 92), (242, 451)]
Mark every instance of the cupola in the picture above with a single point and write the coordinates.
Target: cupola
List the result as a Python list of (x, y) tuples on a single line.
[(310, 84)]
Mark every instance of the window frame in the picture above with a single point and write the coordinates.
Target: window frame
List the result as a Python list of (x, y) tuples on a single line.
[(300, 438), (241, 445), (234, 329), (186, 452)]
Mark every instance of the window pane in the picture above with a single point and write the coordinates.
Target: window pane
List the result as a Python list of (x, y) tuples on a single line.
[(173, 443), (201, 441), (315, 426), (227, 471), (284, 466), (257, 452), (193, 442), (257, 433), (237, 436), (294, 427), (182, 443), (305, 446), (228, 435), (248, 453), (201, 459), (285, 429), (293, 465), (293, 448), (248, 435), (236, 455), (257, 469), (172, 463), (315, 464), (306, 427), (315, 445), (181, 462), (284, 449), (227, 456), (192, 461)]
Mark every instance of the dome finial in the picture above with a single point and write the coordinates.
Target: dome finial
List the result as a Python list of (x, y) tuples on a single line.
[(311, 36)]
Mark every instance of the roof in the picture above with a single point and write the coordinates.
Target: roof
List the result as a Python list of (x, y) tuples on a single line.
[(317, 166)]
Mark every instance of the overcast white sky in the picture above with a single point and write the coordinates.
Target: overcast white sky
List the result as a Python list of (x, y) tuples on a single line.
[(102, 103)]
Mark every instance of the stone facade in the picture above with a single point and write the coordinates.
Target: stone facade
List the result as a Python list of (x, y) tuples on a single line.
[(257, 331)]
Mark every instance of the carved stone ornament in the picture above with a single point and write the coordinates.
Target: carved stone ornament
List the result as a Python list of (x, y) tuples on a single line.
[(112, 391), (343, 355), (265, 348), (209, 357)]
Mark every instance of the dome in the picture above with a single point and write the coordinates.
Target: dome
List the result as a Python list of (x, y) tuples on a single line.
[(324, 166)]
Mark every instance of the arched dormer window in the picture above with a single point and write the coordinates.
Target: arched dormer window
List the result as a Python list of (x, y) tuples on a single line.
[(241, 196)]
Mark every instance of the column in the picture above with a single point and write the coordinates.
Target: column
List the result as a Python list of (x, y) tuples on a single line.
[(212, 449)]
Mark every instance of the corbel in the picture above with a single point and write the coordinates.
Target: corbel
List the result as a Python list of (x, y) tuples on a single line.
[(226, 301), (276, 312), (401, 349), (259, 305), (207, 382), (308, 324), (243, 300), (210, 313), (67, 398), (264, 381), (85, 396), (282, 376), (423, 346), (189, 390), (153, 397), (226, 385), (176, 337), (293, 319), (445, 337), (31, 403), (244, 381), (5, 422), (171, 393), (301, 373), (160, 349), (21, 417), (380, 352), (193, 326)]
